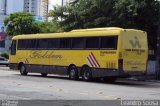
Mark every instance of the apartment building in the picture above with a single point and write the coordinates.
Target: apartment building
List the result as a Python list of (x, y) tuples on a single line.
[(31, 6), (43, 8)]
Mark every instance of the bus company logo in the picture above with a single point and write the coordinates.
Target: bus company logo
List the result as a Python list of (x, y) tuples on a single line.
[(135, 42), (46, 54), (92, 60), (26, 61)]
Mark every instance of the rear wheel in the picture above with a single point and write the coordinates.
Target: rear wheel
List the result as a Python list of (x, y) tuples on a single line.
[(23, 70), (73, 73), (43, 74), (86, 74)]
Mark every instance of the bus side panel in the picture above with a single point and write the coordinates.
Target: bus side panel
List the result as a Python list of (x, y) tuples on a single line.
[(92, 58)]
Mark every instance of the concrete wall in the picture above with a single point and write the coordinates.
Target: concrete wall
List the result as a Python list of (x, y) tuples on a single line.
[(151, 68), (7, 45)]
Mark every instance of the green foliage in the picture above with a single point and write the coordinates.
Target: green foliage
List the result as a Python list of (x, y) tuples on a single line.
[(4, 54), (49, 27), (20, 23), (84, 14), (139, 14), (24, 23)]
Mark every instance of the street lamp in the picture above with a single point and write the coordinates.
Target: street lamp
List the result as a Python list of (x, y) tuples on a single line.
[(2, 11)]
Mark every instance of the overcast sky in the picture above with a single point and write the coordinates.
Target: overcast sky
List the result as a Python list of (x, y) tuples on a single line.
[(51, 3)]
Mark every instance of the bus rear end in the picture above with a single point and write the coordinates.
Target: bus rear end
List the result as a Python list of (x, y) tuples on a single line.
[(133, 55)]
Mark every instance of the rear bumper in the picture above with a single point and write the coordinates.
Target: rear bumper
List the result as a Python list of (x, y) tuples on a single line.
[(115, 73)]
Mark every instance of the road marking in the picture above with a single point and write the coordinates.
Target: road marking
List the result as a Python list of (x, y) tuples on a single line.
[(83, 93), (108, 97)]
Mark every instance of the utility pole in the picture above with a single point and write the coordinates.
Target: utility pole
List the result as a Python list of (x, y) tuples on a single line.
[(158, 49), (5, 7), (62, 3)]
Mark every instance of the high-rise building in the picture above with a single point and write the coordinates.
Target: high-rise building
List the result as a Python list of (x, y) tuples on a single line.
[(31, 6), (36, 7), (43, 8), (14, 6), (39, 8)]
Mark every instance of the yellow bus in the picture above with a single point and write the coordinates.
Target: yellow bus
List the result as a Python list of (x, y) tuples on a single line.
[(106, 53)]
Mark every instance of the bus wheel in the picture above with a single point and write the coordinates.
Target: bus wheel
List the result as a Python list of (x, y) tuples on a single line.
[(109, 79), (43, 74), (23, 70), (73, 73), (86, 74)]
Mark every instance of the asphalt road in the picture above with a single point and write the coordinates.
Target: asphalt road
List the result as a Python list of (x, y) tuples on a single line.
[(13, 86)]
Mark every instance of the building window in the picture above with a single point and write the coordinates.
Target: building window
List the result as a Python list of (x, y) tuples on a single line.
[(2, 44)]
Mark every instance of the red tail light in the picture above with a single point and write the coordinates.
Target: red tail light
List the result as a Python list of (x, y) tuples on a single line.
[(120, 64)]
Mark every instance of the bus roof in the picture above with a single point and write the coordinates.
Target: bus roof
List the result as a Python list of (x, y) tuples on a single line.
[(77, 33)]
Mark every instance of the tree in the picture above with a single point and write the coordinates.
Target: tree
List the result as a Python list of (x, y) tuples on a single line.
[(138, 14), (84, 14), (49, 27), (20, 23)]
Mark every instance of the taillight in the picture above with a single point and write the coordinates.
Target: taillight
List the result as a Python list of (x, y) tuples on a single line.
[(120, 64)]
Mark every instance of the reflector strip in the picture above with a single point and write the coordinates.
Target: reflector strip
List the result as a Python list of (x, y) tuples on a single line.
[(92, 60)]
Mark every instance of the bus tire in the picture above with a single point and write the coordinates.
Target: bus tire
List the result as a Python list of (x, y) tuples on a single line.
[(73, 73), (23, 70), (44, 74), (86, 74)]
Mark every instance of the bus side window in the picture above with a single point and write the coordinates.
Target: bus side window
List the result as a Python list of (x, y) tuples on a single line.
[(92, 43), (22, 43), (65, 43), (78, 43), (31, 44), (109, 42), (13, 47)]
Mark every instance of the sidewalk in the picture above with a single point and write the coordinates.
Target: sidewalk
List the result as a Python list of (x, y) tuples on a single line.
[(147, 78)]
